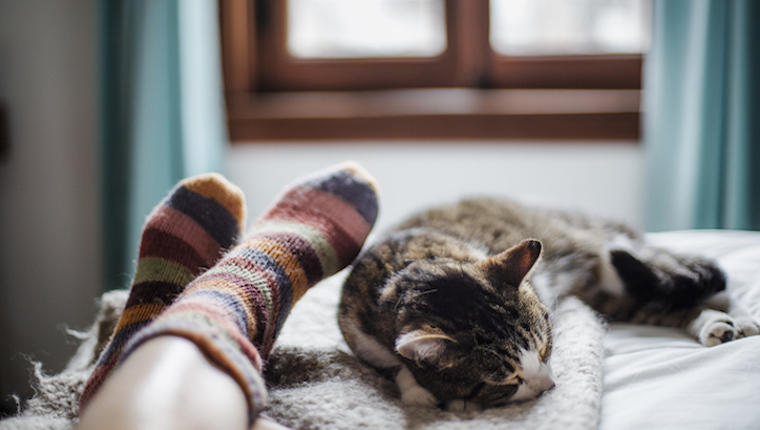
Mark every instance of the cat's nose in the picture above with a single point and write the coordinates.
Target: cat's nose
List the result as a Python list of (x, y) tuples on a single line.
[(542, 382), (537, 375), (534, 385), (546, 384)]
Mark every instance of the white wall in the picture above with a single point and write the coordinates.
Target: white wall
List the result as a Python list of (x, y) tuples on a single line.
[(598, 177), (49, 222)]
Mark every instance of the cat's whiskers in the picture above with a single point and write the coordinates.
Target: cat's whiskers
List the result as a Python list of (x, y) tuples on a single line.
[(398, 302), (430, 291), (487, 349), (502, 357), (490, 378), (419, 293)]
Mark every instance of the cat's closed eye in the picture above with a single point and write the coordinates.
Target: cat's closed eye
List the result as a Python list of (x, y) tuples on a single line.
[(545, 352), (514, 379)]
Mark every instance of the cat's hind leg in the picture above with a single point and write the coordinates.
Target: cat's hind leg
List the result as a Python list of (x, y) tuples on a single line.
[(367, 348), (676, 282), (682, 291)]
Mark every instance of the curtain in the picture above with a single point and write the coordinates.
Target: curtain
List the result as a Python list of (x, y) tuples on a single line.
[(702, 115), (162, 112)]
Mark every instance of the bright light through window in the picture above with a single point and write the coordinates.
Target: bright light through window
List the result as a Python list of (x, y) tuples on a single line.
[(570, 27), (366, 28)]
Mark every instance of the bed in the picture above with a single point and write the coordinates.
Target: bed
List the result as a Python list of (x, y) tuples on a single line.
[(619, 376)]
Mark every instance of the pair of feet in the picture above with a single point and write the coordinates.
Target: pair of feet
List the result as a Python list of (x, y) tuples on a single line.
[(198, 276)]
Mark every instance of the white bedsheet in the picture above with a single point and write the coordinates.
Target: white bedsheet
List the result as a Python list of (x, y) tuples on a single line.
[(661, 378)]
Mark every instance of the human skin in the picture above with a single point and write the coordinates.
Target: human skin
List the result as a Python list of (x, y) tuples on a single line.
[(167, 383)]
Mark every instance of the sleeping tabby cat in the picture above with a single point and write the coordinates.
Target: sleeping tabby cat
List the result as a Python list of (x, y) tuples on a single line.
[(456, 300)]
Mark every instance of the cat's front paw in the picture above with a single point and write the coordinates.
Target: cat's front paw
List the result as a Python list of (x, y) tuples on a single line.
[(418, 396), (717, 332), (714, 327), (461, 405)]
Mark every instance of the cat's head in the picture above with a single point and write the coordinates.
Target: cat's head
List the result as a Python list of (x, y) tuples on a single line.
[(476, 331)]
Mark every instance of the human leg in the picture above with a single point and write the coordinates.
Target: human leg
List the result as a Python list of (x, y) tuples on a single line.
[(234, 311), (186, 233)]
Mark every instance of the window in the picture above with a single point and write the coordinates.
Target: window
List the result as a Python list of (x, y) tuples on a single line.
[(528, 69)]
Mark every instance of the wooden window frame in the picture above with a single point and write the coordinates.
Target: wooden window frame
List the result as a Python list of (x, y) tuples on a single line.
[(469, 91)]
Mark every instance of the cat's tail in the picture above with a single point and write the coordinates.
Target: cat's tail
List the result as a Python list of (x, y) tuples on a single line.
[(675, 282)]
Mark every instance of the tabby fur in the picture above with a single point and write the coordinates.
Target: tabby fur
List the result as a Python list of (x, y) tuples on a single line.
[(456, 300)]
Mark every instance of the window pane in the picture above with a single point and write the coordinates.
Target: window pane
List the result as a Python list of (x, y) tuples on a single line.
[(366, 28), (568, 27)]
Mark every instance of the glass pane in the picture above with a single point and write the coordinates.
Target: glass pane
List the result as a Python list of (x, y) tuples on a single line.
[(366, 28), (570, 27)]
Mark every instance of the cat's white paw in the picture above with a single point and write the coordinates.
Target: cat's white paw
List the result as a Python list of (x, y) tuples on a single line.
[(461, 405), (716, 333), (411, 392), (418, 396), (746, 326), (715, 327)]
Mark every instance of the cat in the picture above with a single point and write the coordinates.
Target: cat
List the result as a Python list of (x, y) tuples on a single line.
[(456, 300)]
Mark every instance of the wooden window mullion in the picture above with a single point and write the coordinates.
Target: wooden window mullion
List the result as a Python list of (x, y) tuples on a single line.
[(238, 46), (467, 24)]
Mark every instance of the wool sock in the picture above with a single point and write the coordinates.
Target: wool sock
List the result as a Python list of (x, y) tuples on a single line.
[(186, 233), (235, 310)]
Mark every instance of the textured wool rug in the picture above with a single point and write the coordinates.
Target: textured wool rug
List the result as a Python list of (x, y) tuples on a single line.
[(316, 382)]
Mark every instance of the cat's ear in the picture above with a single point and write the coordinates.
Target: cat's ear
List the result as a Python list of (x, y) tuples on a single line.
[(422, 346), (514, 264)]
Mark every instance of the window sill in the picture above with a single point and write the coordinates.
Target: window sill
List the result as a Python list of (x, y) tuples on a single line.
[(559, 115)]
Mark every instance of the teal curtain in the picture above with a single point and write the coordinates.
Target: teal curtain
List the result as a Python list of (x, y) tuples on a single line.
[(162, 114), (702, 115)]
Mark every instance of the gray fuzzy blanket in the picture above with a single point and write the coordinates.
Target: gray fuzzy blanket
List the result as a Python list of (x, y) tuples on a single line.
[(55, 405), (316, 382)]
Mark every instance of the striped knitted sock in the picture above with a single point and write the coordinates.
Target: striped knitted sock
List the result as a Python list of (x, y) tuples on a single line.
[(185, 234), (234, 311)]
